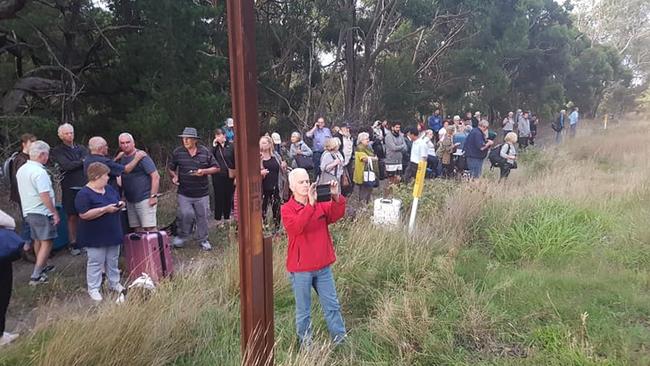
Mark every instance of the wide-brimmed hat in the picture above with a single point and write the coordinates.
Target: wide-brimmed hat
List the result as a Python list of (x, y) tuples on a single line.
[(189, 132)]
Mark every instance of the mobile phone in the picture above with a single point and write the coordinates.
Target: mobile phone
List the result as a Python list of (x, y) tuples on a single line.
[(323, 193), (192, 172)]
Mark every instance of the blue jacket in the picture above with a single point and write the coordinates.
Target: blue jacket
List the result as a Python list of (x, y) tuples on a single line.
[(473, 144), (435, 123)]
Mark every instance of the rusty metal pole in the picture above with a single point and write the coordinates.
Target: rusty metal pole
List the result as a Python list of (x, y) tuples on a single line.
[(255, 252)]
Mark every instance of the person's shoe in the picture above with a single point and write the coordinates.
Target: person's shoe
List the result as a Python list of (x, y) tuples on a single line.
[(178, 242), (49, 268), (38, 280), (7, 338), (118, 288), (75, 251), (205, 245), (95, 295)]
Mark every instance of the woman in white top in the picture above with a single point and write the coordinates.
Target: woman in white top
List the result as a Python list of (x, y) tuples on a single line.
[(432, 159), (509, 153)]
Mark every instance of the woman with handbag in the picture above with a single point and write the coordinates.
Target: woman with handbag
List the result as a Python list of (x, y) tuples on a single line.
[(223, 182), (300, 154), (331, 162), (273, 171), (366, 168)]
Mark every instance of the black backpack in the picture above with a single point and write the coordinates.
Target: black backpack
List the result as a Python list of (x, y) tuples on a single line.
[(7, 167), (495, 156)]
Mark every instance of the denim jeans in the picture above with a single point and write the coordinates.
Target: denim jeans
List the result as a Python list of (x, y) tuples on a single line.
[(323, 282), (475, 167)]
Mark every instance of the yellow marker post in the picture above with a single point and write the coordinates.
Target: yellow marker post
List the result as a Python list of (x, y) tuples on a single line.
[(417, 192)]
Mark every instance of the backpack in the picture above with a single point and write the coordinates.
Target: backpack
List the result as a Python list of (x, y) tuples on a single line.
[(556, 126), (495, 156), (5, 174)]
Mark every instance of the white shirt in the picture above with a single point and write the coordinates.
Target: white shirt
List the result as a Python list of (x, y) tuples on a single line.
[(32, 179), (419, 151)]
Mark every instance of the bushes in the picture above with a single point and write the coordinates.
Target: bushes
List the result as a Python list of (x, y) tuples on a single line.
[(541, 229)]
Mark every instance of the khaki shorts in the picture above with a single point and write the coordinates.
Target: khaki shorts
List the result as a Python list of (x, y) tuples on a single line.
[(141, 214)]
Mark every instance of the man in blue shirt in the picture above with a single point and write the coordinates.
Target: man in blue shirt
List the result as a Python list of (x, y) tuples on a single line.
[(477, 147), (435, 121), (573, 122), (319, 134)]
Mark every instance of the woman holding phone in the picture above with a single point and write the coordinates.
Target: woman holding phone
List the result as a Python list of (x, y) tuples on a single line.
[(100, 229)]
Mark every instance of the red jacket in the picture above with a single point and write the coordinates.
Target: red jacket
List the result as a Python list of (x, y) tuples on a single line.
[(310, 244)]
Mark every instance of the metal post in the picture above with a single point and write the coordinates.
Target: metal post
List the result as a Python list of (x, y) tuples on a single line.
[(255, 252)]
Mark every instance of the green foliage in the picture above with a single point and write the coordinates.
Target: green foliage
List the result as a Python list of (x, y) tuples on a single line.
[(541, 229)]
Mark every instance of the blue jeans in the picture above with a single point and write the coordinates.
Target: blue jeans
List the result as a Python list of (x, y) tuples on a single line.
[(316, 158), (323, 282), (475, 167)]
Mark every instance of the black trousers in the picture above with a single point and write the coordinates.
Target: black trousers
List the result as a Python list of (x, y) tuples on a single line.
[(6, 279), (505, 170), (411, 171), (272, 198), (523, 142), (224, 191)]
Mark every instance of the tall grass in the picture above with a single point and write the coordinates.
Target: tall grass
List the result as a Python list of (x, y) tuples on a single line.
[(546, 268)]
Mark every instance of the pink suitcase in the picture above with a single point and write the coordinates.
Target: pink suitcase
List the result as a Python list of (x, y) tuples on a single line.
[(150, 253)]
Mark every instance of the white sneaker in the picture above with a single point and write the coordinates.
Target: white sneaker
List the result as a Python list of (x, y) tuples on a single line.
[(178, 242), (7, 338), (118, 288), (95, 295), (205, 245)]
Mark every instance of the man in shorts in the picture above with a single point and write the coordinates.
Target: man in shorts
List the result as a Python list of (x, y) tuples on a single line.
[(140, 185), (37, 198), (69, 157), (395, 146)]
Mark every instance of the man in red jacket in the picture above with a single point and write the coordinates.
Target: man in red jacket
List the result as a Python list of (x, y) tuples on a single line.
[(310, 253)]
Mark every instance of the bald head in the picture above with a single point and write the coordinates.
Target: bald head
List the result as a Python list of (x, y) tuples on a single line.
[(97, 145)]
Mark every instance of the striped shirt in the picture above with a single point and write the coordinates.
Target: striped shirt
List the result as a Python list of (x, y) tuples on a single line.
[(191, 185)]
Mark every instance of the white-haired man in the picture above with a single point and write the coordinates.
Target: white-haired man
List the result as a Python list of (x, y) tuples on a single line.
[(99, 154), (37, 198), (69, 158), (140, 184), (310, 253)]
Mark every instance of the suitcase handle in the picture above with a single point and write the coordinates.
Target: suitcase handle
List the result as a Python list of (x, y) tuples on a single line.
[(386, 200), (134, 236)]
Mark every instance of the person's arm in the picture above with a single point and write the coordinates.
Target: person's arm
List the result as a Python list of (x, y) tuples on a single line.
[(47, 201), (7, 221), (306, 150), (310, 133), (139, 155), (155, 185), (68, 165), (94, 213)]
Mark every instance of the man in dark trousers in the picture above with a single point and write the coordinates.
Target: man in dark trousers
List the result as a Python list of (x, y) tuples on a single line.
[(69, 158)]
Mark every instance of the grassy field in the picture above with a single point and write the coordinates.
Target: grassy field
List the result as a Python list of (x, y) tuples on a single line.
[(548, 268)]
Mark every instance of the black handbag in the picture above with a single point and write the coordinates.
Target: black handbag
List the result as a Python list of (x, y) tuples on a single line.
[(305, 162)]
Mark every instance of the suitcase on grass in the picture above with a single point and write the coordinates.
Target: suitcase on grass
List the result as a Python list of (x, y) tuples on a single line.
[(387, 211), (150, 253)]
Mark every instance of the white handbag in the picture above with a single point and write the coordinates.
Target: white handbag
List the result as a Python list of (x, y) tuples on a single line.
[(369, 174)]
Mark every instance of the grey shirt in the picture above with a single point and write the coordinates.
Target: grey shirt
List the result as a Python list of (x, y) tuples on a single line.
[(395, 146), (523, 127)]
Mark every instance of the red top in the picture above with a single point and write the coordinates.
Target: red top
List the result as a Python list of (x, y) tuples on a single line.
[(310, 244)]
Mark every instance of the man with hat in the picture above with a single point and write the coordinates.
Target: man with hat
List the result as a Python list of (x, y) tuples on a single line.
[(189, 168)]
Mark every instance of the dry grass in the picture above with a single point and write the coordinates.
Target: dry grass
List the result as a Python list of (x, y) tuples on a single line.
[(430, 298)]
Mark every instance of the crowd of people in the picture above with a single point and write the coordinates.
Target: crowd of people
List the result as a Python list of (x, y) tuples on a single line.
[(97, 189)]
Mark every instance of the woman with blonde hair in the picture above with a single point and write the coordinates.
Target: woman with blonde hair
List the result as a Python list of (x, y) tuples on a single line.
[(331, 162), (509, 153), (273, 171)]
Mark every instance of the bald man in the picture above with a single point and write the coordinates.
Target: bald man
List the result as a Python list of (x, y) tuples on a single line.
[(98, 153)]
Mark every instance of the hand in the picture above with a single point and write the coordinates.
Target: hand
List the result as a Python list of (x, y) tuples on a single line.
[(119, 156), (489, 143), (56, 219), (457, 144), (312, 195), (199, 173), (283, 165), (140, 154), (264, 172), (175, 180), (299, 152), (334, 189), (111, 209), (153, 201)]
